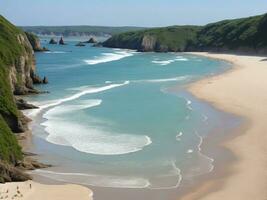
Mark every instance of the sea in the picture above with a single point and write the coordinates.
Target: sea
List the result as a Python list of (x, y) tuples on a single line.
[(117, 118)]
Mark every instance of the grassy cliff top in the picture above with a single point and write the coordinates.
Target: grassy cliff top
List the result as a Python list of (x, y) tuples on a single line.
[(10, 50), (245, 33), (175, 37)]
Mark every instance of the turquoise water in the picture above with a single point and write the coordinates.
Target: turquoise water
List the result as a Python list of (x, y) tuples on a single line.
[(119, 118)]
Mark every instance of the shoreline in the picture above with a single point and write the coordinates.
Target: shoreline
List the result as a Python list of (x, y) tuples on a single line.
[(226, 92)]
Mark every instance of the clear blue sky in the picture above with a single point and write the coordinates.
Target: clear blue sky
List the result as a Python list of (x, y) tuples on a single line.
[(127, 12)]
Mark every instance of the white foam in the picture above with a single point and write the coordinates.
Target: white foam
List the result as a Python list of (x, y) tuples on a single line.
[(163, 62), (56, 52), (188, 104), (211, 160), (95, 179), (180, 78), (109, 57), (190, 151), (178, 136), (84, 90), (167, 62), (89, 138)]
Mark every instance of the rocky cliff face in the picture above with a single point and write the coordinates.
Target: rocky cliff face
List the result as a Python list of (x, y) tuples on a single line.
[(35, 42), (17, 74), (148, 43)]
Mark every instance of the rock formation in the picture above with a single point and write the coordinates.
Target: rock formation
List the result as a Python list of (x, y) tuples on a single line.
[(35, 42), (80, 44), (17, 72), (91, 40), (52, 41), (45, 80), (61, 41)]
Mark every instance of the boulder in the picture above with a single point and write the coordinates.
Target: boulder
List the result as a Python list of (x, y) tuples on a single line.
[(23, 105)]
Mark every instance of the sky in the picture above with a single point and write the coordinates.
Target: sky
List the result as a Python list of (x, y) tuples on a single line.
[(144, 13)]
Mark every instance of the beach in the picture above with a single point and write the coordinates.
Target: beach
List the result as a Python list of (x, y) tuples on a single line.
[(241, 91), (32, 190)]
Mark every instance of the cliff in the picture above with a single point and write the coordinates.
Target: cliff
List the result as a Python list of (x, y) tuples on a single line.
[(247, 35), (17, 72), (35, 42)]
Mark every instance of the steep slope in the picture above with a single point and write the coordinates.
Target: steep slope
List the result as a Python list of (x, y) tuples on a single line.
[(17, 70), (246, 34), (240, 35), (35, 42), (173, 38)]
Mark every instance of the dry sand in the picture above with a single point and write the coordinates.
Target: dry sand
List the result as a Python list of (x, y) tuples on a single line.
[(242, 91), (30, 190)]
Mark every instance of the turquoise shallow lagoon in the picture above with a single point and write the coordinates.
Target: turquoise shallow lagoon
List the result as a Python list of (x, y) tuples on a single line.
[(121, 119)]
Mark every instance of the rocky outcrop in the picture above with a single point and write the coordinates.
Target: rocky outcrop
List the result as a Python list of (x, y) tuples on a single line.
[(148, 43), (10, 173), (61, 41), (91, 40), (23, 105), (80, 44), (35, 42), (45, 80), (52, 41)]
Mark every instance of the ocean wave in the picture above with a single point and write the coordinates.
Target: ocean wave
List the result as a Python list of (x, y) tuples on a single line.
[(179, 78), (167, 62), (84, 90), (91, 139), (109, 57), (59, 110), (56, 52), (95, 179)]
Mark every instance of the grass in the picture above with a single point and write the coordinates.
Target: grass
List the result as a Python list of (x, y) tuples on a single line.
[(10, 151), (10, 51)]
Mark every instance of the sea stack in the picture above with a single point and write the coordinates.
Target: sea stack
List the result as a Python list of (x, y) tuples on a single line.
[(80, 44), (91, 40), (52, 41), (45, 80), (61, 41)]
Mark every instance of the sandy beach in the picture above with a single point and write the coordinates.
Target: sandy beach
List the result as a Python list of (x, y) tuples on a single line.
[(243, 92), (30, 190)]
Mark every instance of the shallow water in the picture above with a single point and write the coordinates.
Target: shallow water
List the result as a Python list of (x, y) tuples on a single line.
[(121, 119)]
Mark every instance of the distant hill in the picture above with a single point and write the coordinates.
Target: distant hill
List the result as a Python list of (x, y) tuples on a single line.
[(79, 30), (242, 35), (174, 38)]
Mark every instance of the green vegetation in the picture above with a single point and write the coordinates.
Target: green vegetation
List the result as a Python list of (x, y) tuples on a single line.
[(10, 50), (78, 30), (246, 34), (10, 151), (233, 34), (174, 38)]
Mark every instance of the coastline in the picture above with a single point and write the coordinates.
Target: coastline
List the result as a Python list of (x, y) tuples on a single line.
[(240, 91)]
